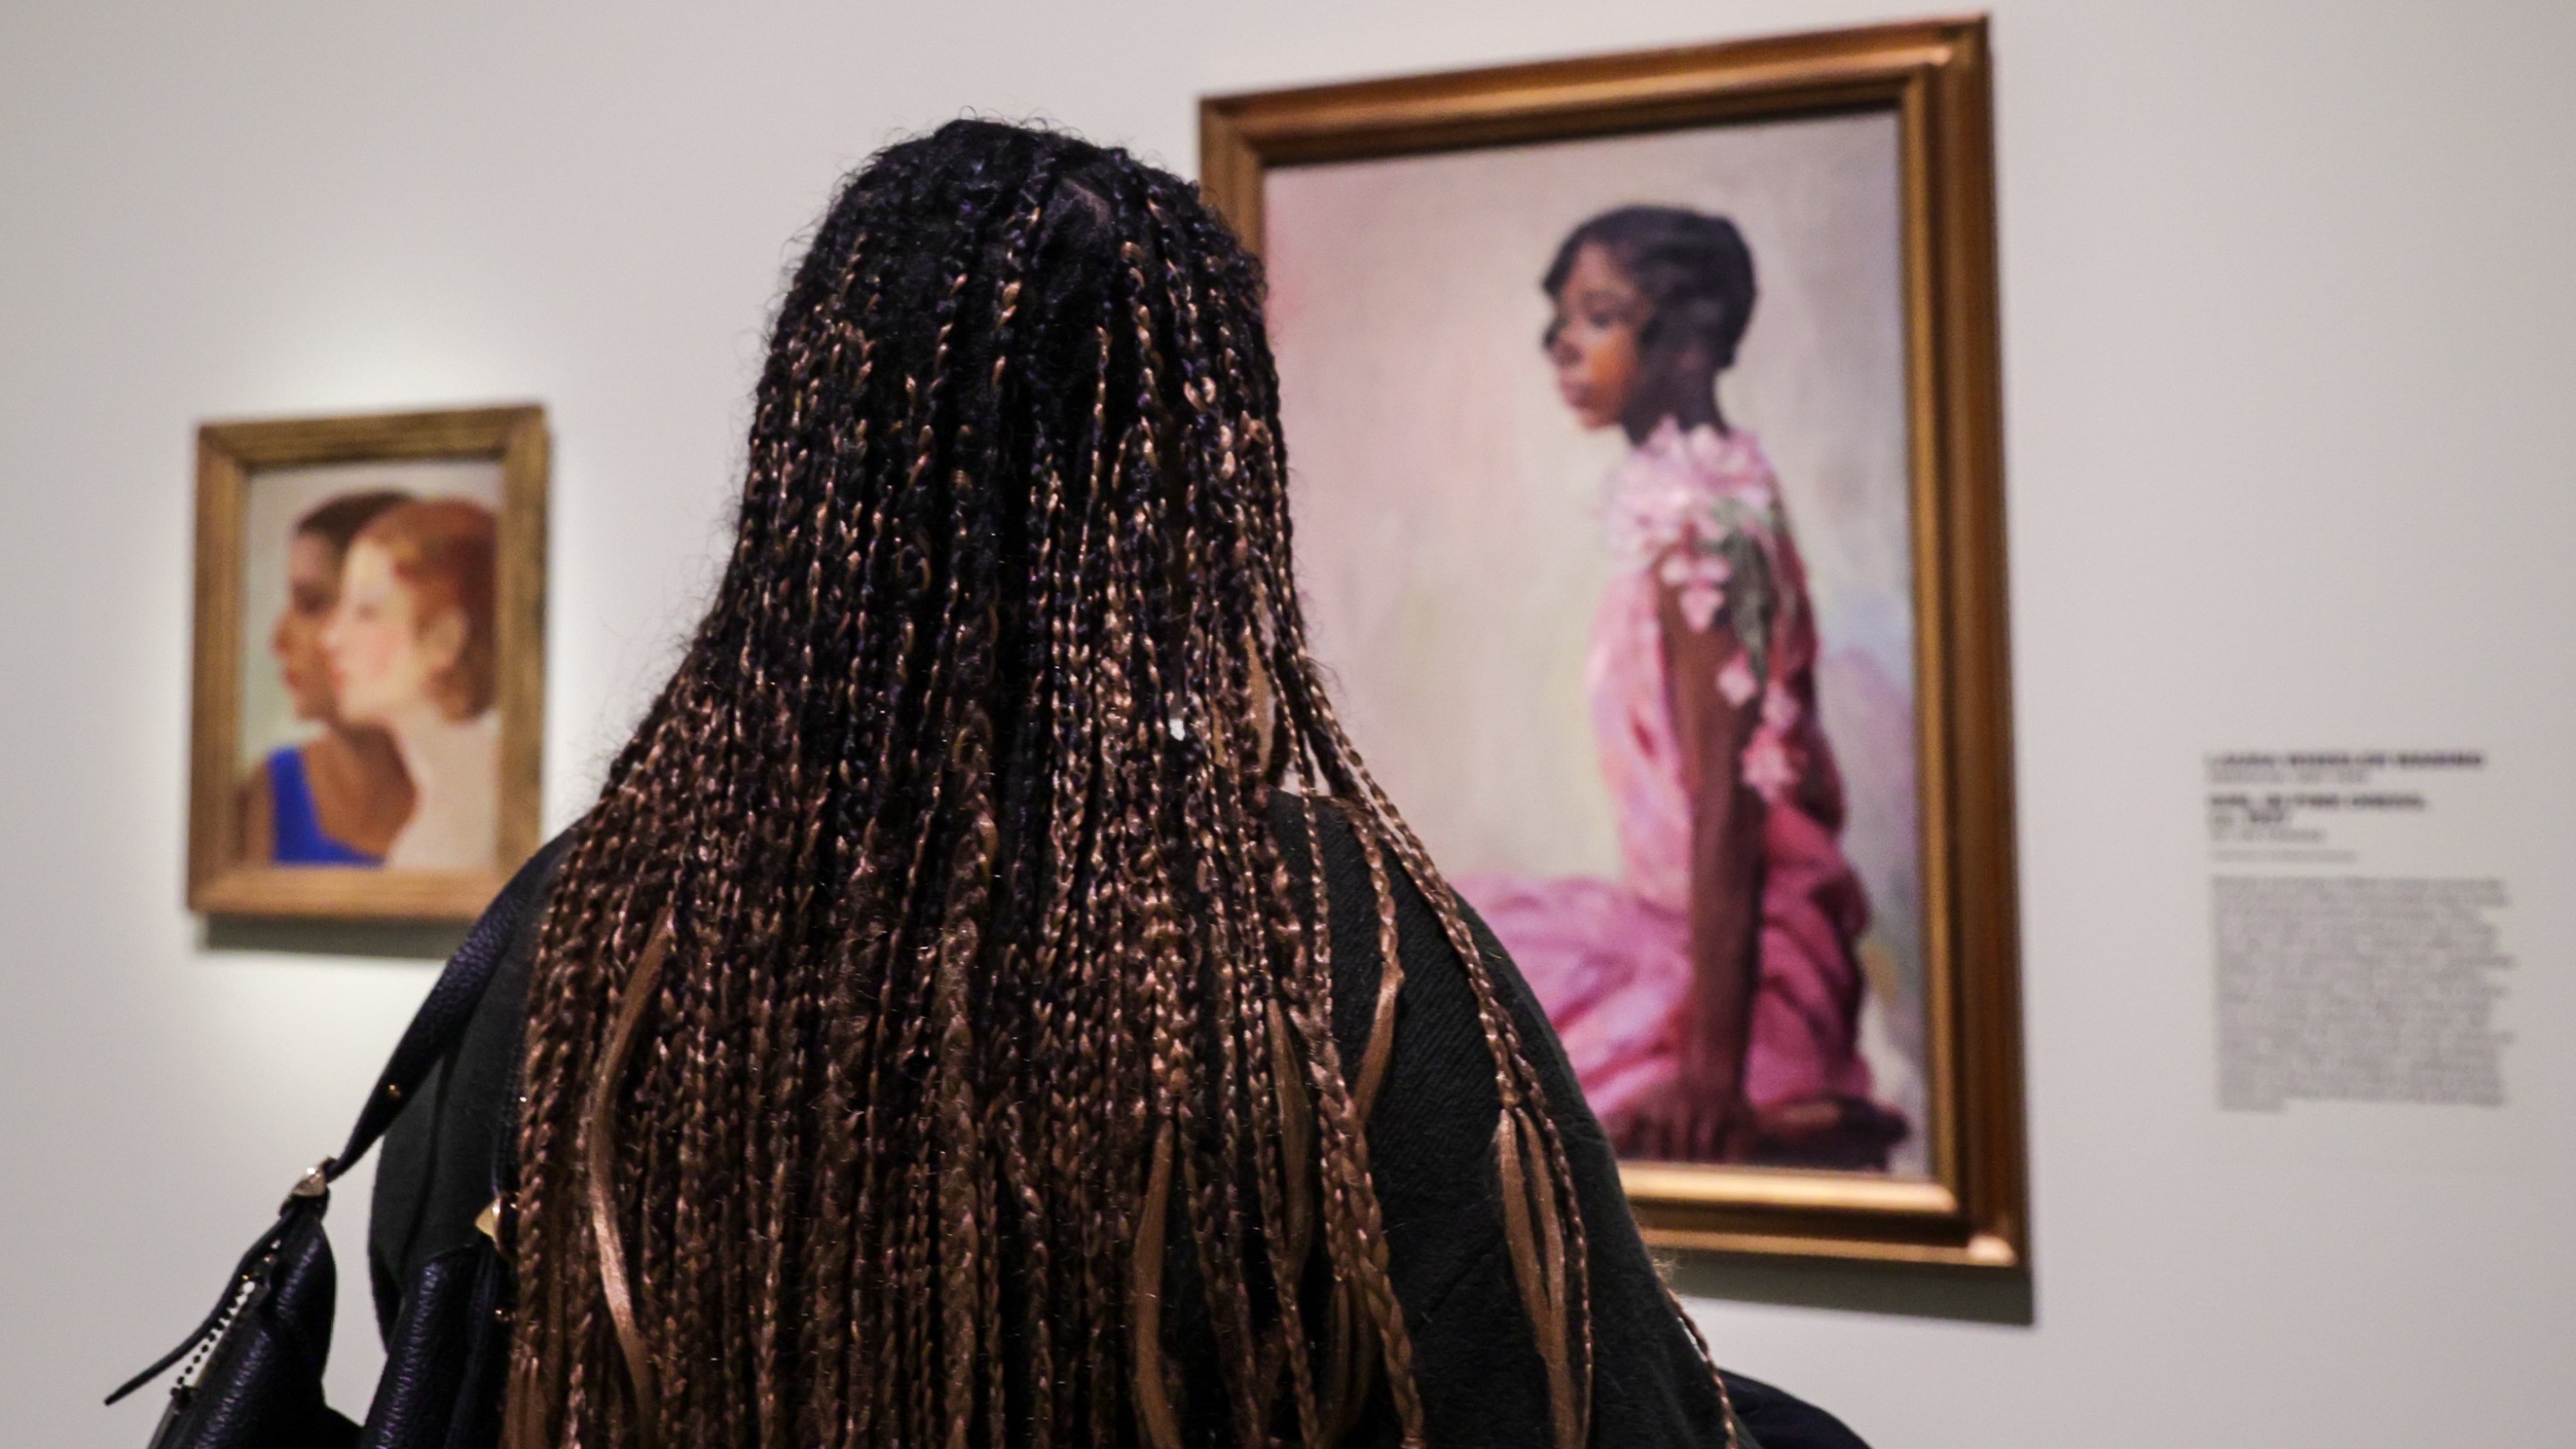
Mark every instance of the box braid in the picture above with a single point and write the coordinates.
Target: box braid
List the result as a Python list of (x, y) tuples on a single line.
[(928, 961)]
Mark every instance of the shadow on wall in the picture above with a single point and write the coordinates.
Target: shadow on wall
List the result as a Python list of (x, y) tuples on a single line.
[(399, 940), (1909, 1290)]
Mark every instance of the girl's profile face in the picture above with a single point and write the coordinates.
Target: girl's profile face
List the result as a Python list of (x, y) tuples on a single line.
[(312, 589), (385, 658), (1592, 338)]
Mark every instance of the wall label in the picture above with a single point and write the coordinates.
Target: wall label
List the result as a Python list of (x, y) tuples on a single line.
[(2346, 969)]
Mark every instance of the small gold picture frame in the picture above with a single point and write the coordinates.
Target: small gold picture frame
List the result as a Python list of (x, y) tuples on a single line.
[(1453, 549), (369, 664)]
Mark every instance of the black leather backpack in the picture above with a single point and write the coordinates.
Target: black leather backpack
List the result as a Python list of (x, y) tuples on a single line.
[(256, 1380)]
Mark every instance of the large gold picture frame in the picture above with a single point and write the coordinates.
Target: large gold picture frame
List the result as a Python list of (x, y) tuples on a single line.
[(509, 444), (1969, 1208)]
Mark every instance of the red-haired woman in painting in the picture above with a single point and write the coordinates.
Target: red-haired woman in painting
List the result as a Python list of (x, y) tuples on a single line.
[(1710, 999), (413, 653)]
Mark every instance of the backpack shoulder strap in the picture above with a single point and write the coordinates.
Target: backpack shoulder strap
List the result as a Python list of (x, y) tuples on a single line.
[(450, 1004)]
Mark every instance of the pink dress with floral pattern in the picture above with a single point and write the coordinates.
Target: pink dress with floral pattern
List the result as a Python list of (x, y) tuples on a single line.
[(1699, 513)]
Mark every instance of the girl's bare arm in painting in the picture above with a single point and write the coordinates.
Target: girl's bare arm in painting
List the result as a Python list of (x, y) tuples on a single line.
[(1726, 880)]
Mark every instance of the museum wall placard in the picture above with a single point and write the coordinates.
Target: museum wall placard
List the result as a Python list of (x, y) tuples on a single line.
[(2283, 340)]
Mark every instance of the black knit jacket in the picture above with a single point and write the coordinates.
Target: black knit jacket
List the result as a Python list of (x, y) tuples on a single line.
[(1430, 1140)]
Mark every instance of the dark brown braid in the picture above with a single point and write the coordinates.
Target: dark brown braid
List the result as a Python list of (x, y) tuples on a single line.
[(977, 969)]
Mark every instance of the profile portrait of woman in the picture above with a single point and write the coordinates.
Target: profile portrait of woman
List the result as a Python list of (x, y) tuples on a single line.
[(412, 653), (338, 798), (990, 1001), (1710, 997)]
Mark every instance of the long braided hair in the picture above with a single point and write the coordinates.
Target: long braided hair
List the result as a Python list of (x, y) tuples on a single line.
[(928, 1002)]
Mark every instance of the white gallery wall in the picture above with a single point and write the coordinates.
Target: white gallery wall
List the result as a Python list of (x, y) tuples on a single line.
[(2289, 346)]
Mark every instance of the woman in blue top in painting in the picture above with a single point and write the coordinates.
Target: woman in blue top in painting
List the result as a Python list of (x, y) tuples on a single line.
[(338, 798)]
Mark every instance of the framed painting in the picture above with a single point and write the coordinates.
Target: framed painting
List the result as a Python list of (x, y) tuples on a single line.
[(370, 663), (1644, 429)]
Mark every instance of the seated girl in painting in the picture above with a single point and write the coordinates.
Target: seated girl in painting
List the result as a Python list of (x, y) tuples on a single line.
[(337, 799), (1710, 998), (413, 653)]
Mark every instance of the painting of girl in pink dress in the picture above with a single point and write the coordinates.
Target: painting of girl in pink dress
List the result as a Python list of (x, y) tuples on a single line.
[(1605, 479), (1710, 994)]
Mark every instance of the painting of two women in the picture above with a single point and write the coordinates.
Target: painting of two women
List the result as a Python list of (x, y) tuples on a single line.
[(369, 668)]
